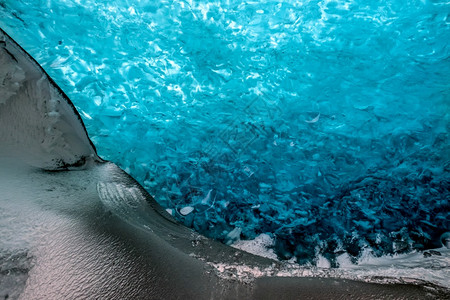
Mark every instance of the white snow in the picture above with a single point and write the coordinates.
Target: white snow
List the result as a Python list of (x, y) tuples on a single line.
[(259, 246), (412, 267), (186, 210)]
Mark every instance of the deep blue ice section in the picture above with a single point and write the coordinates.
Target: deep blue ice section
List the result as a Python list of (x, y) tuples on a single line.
[(323, 123)]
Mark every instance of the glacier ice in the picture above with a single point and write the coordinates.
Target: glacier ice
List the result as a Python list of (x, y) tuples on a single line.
[(89, 230), (324, 124)]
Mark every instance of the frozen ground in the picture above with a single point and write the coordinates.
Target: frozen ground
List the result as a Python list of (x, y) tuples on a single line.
[(429, 266)]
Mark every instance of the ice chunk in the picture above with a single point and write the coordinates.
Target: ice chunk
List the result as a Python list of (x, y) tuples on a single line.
[(186, 210)]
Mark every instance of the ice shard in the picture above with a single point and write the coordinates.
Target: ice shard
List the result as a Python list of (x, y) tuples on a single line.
[(73, 226)]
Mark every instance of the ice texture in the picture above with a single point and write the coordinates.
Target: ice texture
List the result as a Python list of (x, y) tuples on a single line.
[(38, 123), (324, 124)]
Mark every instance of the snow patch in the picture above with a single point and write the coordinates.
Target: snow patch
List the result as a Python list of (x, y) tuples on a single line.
[(259, 246)]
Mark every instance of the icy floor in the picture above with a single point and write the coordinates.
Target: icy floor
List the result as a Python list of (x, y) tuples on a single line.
[(323, 124), (415, 267)]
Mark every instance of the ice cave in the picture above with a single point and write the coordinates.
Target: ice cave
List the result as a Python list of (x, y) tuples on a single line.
[(224, 149)]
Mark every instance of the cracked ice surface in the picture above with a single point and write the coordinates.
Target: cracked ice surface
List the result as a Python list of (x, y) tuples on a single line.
[(323, 124)]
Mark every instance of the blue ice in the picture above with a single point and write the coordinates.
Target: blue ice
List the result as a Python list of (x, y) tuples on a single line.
[(324, 124)]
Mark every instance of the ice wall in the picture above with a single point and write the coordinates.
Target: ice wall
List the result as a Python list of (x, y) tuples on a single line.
[(39, 125), (322, 123)]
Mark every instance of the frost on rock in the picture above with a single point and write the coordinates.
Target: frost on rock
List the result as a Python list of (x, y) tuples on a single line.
[(324, 124)]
